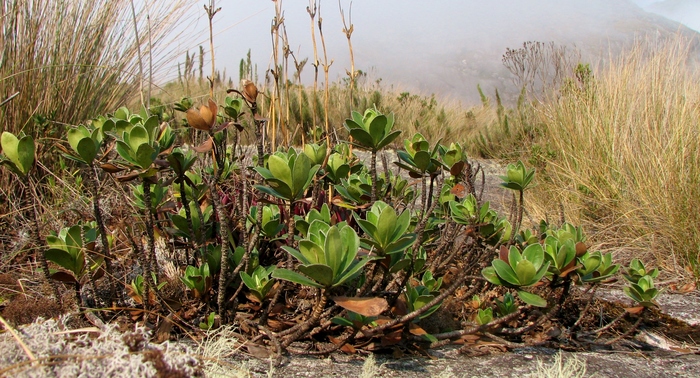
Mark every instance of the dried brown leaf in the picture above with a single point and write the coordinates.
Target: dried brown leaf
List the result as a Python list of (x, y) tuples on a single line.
[(363, 306), (206, 146)]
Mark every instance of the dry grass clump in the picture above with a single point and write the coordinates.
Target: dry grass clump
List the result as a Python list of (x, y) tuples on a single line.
[(626, 153), (69, 61)]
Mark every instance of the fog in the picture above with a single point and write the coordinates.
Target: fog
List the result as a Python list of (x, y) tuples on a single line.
[(444, 47)]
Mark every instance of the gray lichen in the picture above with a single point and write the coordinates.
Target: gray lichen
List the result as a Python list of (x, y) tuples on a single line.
[(92, 352)]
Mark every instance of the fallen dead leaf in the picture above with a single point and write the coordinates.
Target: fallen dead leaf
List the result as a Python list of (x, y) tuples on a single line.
[(363, 306)]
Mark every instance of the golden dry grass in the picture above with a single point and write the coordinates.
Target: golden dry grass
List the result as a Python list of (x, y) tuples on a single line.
[(69, 61), (626, 159)]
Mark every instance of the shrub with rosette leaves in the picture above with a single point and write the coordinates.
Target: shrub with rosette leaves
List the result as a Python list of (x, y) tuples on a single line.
[(327, 257), (386, 231), (516, 269)]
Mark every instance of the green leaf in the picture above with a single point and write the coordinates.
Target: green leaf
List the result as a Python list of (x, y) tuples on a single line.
[(20, 152), (388, 139), (87, 149), (351, 272), (422, 160), (514, 257), (505, 272), (334, 250), (400, 244), (74, 241), (126, 153), (321, 273), (280, 170), (377, 129), (291, 276), (525, 271), (138, 136), (63, 259), (342, 322), (145, 155), (534, 254), (490, 274), (310, 253), (248, 281), (385, 226), (272, 192), (362, 138), (532, 299), (75, 135), (300, 175)]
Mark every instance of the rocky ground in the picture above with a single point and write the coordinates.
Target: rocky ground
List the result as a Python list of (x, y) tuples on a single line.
[(651, 354)]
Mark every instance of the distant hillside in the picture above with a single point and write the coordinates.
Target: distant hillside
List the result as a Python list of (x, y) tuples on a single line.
[(684, 11), (465, 49)]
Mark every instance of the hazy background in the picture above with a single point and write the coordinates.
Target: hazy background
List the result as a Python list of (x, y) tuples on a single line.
[(444, 47)]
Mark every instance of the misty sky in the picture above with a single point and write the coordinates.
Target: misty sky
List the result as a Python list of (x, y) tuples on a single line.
[(440, 46)]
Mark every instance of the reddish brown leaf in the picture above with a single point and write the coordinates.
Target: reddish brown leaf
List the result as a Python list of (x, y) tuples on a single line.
[(208, 114), (110, 168), (400, 308), (470, 338), (681, 350), (253, 298), (128, 176), (687, 288), (503, 253), (634, 310), (349, 349), (416, 330), (98, 274), (206, 146), (391, 338), (456, 170), (131, 293), (459, 190), (580, 249), (63, 277), (275, 325), (221, 127), (571, 268), (195, 119), (363, 306), (250, 91)]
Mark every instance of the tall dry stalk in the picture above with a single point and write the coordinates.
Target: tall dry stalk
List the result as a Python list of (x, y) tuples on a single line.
[(286, 52), (275, 101), (326, 68), (311, 10), (352, 74), (299, 66), (212, 10), (138, 50)]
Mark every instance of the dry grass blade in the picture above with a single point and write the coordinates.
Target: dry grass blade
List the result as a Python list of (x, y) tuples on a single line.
[(19, 341)]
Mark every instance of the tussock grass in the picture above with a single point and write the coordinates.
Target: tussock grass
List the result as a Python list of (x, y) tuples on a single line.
[(72, 60), (626, 156)]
